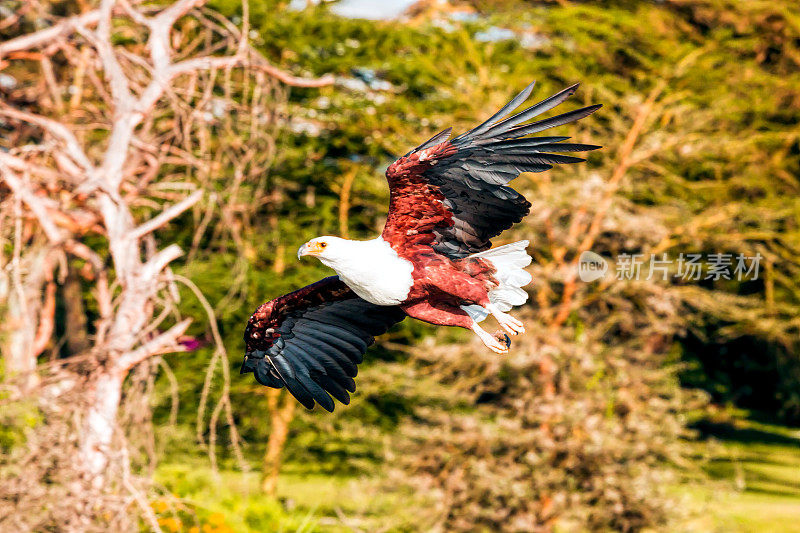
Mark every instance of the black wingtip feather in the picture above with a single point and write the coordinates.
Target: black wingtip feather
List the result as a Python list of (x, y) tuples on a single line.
[(440, 137), (345, 359), (323, 331), (536, 109), (335, 389), (316, 392), (505, 110), (474, 179), (547, 123), (287, 375), (264, 376)]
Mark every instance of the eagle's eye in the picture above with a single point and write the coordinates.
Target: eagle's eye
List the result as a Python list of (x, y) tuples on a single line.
[(323, 244)]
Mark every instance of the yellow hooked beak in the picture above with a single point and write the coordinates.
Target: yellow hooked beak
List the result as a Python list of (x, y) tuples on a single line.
[(311, 248)]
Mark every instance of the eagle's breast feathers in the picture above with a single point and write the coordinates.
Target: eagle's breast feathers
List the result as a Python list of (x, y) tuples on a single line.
[(375, 272)]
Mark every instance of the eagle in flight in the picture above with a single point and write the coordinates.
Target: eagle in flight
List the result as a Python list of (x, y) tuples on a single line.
[(433, 261)]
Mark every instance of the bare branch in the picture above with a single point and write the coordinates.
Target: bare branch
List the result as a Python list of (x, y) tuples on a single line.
[(169, 16), (160, 27), (289, 79), (48, 35), (46, 319), (56, 129), (135, 15), (167, 215), (165, 343), (591, 233), (120, 90), (220, 355), (159, 261), (21, 165), (204, 63), (71, 183), (257, 62), (35, 203)]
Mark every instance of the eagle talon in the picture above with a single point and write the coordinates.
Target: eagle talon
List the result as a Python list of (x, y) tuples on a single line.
[(502, 337), (490, 341)]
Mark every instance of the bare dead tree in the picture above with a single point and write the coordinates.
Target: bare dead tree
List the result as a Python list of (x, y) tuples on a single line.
[(88, 173)]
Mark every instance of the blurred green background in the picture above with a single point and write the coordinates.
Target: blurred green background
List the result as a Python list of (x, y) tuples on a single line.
[(715, 171), (629, 405), (443, 437)]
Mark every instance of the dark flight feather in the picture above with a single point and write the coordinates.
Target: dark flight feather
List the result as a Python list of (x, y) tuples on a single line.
[(436, 139), (535, 110), (505, 110), (457, 190), (311, 340)]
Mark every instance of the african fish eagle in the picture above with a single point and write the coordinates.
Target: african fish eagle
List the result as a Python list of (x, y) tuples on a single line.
[(433, 261)]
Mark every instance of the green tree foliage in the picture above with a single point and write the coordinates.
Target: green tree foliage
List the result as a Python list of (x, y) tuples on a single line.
[(713, 170), (577, 426)]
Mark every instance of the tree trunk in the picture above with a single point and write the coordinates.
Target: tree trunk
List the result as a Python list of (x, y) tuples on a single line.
[(280, 418), (101, 419), (76, 332), (23, 304)]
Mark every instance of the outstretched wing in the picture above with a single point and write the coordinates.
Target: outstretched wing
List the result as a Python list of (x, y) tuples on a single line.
[(312, 339), (452, 196)]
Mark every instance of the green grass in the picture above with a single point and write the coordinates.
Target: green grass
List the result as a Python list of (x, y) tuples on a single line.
[(232, 501), (744, 477), (752, 477)]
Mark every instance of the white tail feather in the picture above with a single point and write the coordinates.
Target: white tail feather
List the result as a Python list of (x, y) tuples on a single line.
[(509, 261)]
